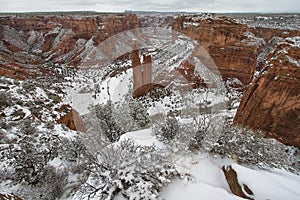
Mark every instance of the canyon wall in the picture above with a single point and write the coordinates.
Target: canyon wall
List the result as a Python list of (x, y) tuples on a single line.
[(31, 45), (34, 44), (233, 46), (225, 41), (272, 101)]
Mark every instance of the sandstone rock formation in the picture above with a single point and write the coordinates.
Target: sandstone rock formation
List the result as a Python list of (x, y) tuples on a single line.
[(187, 71), (71, 118), (35, 44), (271, 103), (268, 33), (231, 176), (142, 74), (222, 39), (234, 47)]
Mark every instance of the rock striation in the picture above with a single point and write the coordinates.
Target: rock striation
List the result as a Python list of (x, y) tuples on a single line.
[(225, 41), (233, 46), (34, 44), (271, 103)]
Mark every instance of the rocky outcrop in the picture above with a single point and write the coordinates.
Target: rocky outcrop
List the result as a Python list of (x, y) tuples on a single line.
[(233, 46), (35, 44), (271, 103), (231, 176), (182, 78), (142, 74), (268, 33), (225, 41), (187, 70), (71, 118)]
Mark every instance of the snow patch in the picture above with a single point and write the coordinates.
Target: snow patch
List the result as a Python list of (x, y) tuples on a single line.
[(143, 137)]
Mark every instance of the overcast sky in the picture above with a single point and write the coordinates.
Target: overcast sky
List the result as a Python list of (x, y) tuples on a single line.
[(151, 5)]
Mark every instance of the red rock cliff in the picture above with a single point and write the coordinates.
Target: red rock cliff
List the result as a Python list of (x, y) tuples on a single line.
[(142, 74), (31, 45), (272, 102), (223, 40), (234, 47)]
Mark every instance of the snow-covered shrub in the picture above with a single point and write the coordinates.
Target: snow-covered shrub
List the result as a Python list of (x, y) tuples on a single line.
[(126, 169), (49, 125), (55, 98), (27, 127), (122, 116), (3, 124), (183, 136), (247, 147), (166, 129), (29, 86), (50, 186), (36, 153), (138, 113), (29, 148), (5, 99), (107, 121), (131, 115), (116, 119), (43, 161), (159, 93)]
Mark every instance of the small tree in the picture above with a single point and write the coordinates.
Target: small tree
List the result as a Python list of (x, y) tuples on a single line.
[(5, 99), (167, 129), (138, 113), (107, 122)]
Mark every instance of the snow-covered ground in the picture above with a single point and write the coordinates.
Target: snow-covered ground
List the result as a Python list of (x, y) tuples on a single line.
[(208, 180), (112, 88), (205, 179)]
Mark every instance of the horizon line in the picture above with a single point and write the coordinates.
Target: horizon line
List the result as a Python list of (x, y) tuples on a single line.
[(151, 11)]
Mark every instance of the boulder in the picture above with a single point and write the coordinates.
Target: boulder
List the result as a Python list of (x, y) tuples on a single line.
[(71, 118)]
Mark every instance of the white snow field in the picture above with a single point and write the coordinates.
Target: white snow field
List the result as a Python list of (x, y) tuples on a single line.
[(208, 181)]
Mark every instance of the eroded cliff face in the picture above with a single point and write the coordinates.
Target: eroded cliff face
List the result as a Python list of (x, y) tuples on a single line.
[(271, 103), (32, 45), (71, 118), (268, 33), (226, 41), (233, 46)]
